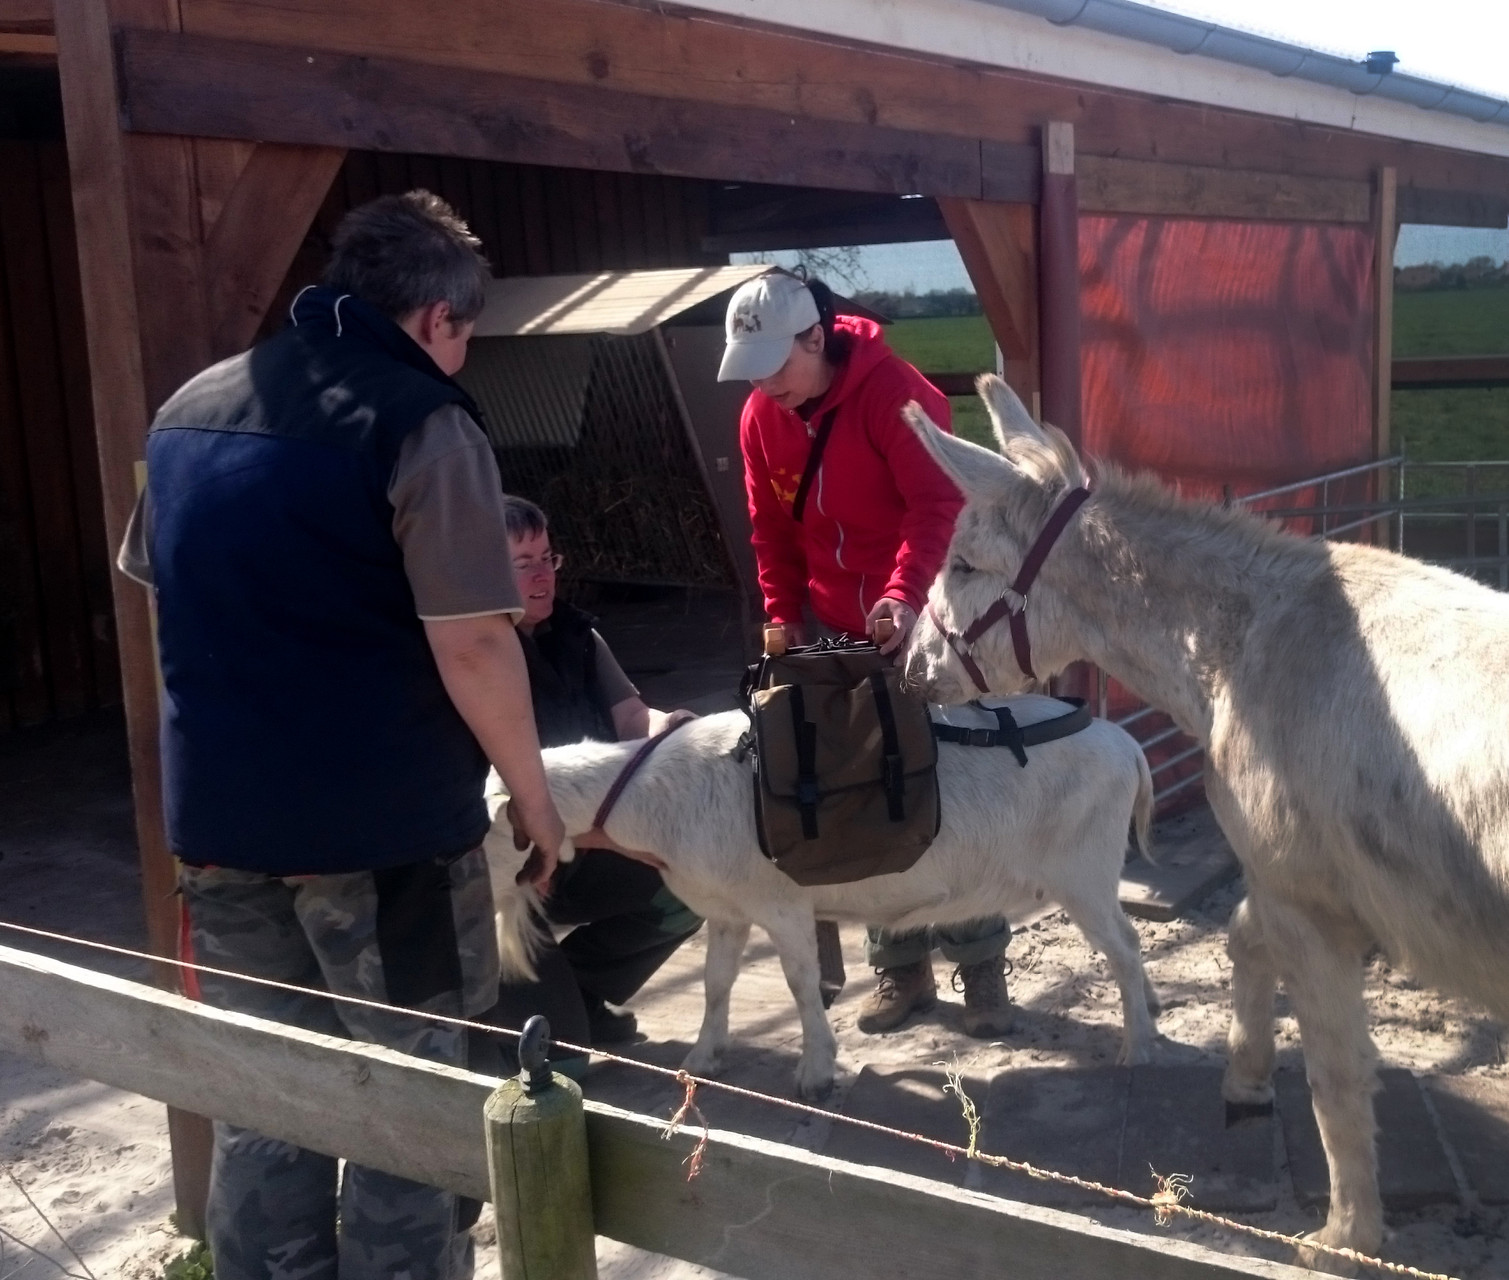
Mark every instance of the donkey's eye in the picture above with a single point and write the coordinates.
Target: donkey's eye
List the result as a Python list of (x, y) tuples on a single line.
[(961, 566)]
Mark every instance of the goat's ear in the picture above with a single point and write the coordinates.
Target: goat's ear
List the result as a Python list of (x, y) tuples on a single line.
[(1040, 452), (978, 472)]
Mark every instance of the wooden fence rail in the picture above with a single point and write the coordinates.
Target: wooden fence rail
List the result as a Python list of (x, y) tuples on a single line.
[(757, 1209)]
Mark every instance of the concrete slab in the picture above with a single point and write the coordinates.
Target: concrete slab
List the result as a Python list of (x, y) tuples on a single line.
[(1413, 1170), (1193, 858), (1176, 1123), (1059, 1120), (1474, 1112), (909, 1098), (1306, 1157)]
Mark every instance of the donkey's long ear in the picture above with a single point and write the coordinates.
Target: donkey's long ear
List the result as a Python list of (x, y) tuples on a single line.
[(1042, 453), (978, 472)]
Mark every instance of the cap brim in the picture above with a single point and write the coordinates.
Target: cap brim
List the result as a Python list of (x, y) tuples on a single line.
[(752, 360)]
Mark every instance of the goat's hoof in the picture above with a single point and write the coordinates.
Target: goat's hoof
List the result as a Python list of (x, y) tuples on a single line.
[(1243, 1093), (703, 1062), (813, 1088), (1135, 1056), (816, 1091), (1320, 1260)]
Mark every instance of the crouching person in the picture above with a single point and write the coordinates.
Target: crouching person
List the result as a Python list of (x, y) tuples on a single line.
[(339, 667), (624, 923)]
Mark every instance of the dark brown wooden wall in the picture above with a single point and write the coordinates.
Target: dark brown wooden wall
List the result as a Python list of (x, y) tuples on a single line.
[(57, 644)]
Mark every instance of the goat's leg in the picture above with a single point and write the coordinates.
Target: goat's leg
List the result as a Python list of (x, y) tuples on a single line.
[(792, 931), (1107, 929), (1249, 1043), (1319, 962), (725, 950)]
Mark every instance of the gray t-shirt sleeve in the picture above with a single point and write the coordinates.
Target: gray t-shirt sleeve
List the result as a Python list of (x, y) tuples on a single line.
[(448, 521), (135, 556), (616, 686)]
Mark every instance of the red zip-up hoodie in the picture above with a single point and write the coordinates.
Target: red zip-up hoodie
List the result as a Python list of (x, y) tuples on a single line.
[(880, 512)]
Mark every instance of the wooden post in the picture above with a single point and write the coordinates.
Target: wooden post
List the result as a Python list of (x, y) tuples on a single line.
[(1059, 290), (1385, 233), (1059, 285), (151, 321), (537, 1161)]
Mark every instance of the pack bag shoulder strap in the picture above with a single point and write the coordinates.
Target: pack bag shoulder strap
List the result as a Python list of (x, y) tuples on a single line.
[(814, 460), (1012, 736)]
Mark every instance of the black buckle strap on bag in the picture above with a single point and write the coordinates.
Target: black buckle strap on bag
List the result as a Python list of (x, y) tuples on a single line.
[(1011, 735), (892, 775), (809, 472), (806, 764)]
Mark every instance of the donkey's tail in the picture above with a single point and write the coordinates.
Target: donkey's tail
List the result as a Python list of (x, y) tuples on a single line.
[(1142, 810)]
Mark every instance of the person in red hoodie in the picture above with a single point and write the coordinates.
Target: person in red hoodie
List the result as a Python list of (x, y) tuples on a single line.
[(870, 536)]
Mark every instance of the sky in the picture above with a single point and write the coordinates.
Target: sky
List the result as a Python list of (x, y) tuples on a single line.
[(1463, 42)]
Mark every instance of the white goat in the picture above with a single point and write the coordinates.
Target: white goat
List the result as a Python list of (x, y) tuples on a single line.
[(1055, 830)]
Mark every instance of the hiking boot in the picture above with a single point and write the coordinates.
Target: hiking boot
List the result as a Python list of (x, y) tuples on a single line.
[(607, 1025), (987, 1007), (901, 992)]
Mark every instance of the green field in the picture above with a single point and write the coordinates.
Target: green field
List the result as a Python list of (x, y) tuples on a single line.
[(1453, 322), (1431, 426), (951, 344), (1467, 425)]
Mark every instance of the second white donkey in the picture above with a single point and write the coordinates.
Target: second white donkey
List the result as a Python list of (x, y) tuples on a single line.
[(1055, 830)]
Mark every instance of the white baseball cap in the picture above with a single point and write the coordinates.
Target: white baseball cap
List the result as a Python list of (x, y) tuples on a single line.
[(764, 316)]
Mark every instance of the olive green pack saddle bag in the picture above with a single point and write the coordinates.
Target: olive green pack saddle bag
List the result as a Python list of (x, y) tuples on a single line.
[(845, 776)]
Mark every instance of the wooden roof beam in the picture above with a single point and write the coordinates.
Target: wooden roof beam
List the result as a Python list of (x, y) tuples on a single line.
[(216, 88), (686, 56)]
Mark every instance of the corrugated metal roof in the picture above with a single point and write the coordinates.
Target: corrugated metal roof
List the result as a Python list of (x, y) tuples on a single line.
[(616, 302)]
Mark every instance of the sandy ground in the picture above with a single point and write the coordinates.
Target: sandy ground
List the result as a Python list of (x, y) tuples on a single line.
[(95, 1161)]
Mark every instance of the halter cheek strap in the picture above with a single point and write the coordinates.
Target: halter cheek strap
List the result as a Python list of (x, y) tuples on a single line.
[(1013, 605)]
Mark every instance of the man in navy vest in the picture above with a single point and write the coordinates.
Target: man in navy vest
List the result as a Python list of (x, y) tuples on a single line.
[(323, 529)]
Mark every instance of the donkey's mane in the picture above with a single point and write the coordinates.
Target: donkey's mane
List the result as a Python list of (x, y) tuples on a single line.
[(1230, 532)]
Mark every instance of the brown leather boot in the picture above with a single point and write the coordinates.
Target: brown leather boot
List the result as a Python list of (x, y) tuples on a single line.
[(987, 1007), (901, 992)]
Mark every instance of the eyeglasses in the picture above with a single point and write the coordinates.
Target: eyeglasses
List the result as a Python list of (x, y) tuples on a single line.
[(548, 564)]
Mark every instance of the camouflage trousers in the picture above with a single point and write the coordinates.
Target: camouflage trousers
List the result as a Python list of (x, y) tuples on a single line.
[(420, 936)]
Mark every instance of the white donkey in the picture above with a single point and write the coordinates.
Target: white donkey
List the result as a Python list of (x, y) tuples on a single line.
[(1055, 830), (1353, 709)]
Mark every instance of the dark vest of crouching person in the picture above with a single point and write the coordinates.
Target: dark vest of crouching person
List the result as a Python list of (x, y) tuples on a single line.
[(626, 922), (569, 705)]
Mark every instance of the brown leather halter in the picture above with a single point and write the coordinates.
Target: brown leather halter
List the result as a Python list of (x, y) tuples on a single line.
[(1013, 605)]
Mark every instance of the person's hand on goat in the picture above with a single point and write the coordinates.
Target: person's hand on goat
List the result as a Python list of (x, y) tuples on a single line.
[(661, 721), (901, 616), (546, 832)]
